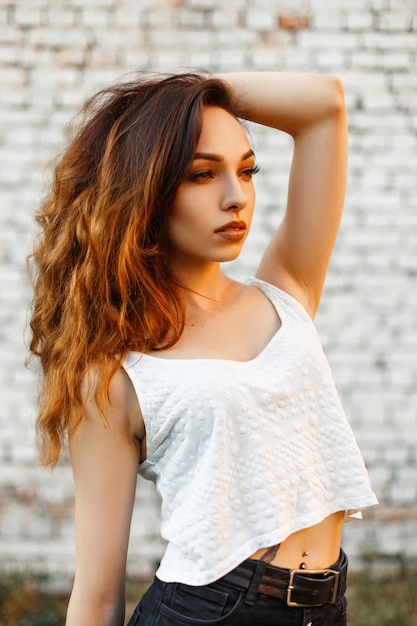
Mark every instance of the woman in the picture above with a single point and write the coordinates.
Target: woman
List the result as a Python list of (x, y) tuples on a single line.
[(219, 391)]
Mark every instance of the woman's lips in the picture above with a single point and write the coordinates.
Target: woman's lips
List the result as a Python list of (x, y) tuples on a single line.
[(234, 231)]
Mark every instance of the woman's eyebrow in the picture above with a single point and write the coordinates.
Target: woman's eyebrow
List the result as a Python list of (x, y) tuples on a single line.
[(209, 156)]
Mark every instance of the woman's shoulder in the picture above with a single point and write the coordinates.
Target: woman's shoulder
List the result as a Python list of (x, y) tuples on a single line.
[(119, 410), (281, 292)]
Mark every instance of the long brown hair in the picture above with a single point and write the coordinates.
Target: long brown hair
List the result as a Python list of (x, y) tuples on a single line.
[(102, 283)]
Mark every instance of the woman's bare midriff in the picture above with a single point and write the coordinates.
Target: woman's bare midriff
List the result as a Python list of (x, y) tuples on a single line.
[(316, 547)]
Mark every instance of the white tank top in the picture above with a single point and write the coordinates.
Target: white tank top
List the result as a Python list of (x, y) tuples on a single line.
[(243, 454)]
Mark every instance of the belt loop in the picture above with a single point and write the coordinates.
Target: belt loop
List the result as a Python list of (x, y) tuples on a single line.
[(255, 582)]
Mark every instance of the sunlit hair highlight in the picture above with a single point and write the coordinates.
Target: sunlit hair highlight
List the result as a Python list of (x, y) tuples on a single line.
[(102, 283)]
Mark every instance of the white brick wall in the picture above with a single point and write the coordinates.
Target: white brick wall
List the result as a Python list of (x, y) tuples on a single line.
[(54, 54)]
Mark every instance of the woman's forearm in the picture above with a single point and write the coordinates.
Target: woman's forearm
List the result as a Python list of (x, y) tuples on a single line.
[(291, 102)]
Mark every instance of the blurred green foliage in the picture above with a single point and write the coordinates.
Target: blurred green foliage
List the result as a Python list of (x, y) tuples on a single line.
[(24, 601), (376, 599)]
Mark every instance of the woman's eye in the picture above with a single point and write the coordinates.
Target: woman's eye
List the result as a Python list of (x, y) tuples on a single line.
[(249, 172), (202, 176)]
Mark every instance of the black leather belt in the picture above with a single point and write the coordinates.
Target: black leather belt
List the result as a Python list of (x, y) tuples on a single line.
[(297, 587)]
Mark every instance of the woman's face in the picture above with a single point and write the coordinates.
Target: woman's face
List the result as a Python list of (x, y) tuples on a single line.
[(213, 206)]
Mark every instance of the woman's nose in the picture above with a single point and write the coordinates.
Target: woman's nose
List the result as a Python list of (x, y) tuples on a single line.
[(234, 197)]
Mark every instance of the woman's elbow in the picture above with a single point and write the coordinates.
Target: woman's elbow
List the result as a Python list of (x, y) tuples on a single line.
[(335, 96), (95, 611)]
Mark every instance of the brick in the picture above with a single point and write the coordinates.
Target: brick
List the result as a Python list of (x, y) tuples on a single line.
[(378, 101), (387, 42), (127, 17), (199, 59), (51, 136), (364, 59), (396, 61), (99, 78), (9, 55), (164, 39), (187, 19), (240, 38), (353, 5), (38, 58), (96, 18), (11, 35), (261, 19), (297, 59), (166, 61), (396, 456), (21, 136), (232, 4), (61, 16), (59, 37), (398, 5), (121, 39), (404, 81), (200, 4), (331, 60), (144, 4), (327, 20), (97, 3), (11, 174), (63, 77), (363, 81), (193, 39), (71, 57), (315, 40), (405, 181), (13, 77), (27, 15), (381, 477), (158, 19), (394, 21), (265, 58), (104, 57), (403, 493), (24, 454), (360, 21), (222, 19), (377, 123), (294, 21), (138, 59)]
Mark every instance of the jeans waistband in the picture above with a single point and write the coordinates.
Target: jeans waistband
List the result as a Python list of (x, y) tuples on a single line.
[(298, 587)]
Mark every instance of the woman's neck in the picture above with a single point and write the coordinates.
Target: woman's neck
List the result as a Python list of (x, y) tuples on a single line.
[(203, 284)]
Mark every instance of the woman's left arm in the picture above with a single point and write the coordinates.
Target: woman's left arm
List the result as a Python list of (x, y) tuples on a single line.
[(311, 109)]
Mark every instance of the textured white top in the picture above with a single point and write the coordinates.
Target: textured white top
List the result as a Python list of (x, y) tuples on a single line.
[(245, 453)]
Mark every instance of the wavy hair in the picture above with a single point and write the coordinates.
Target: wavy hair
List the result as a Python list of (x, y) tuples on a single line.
[(102, 285)]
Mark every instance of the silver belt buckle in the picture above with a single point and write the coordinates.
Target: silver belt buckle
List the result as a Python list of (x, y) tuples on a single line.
[(307, 572)]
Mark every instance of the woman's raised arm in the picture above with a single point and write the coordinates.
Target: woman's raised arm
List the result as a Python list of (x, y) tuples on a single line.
[(311, 109), (105, 460)]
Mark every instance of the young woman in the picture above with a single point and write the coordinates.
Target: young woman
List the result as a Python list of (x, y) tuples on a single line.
[(218, 391)]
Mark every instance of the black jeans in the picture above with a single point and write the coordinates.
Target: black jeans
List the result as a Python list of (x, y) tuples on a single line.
[(176, 604)]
